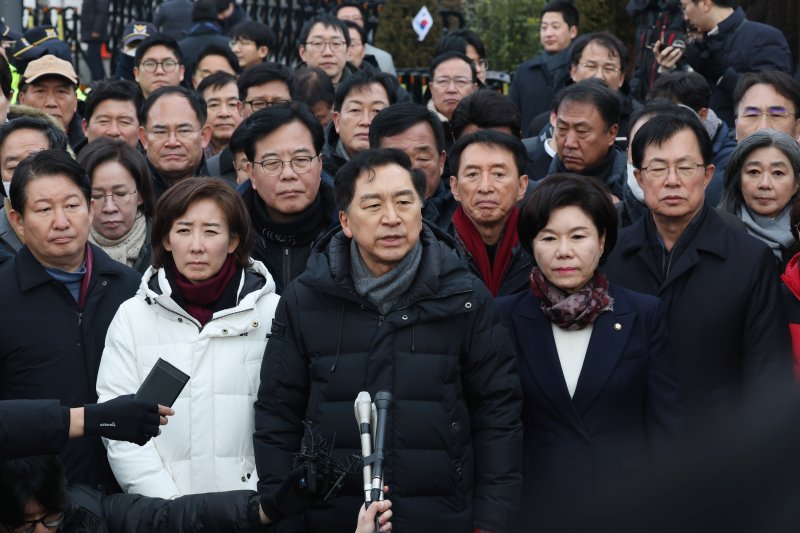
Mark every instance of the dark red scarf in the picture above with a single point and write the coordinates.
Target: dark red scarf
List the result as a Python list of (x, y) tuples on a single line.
[(492, 275), (199, 298)]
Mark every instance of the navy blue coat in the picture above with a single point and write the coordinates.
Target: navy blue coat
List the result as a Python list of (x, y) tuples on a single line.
[(625, 411), (740, 46), (724, 311)]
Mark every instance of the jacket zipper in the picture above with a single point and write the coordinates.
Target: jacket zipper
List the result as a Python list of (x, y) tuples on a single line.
[(286, 274)]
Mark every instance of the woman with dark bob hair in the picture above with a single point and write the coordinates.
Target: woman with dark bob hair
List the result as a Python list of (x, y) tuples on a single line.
[(205, 307), (123, 201), (600, 396), (761, 185)]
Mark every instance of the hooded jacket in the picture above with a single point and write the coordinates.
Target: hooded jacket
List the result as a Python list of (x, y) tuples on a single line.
[(207, 444), (453, 441)]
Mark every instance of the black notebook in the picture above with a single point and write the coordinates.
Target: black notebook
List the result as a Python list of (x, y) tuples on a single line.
[(163, 384)]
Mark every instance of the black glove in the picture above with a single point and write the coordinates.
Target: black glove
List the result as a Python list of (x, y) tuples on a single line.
[(122, 418), (292, 497)]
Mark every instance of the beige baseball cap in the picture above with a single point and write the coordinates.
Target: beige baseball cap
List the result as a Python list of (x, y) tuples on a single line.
[(50, 65)]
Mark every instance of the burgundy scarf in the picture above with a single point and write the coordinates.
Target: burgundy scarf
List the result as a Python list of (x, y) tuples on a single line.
[(201, 297), (492, 275), (572, 311)]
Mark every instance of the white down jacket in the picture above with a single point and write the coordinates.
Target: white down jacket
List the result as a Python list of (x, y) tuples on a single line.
[(207, 446)]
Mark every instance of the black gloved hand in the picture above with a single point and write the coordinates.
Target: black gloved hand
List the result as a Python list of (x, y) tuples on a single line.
[(290, 498), (122, 418)]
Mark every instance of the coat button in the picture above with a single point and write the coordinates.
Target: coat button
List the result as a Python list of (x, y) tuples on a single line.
[(455, 426), (180, 319), (255, 323), (468, 305), (244, 479), (224, 331), (404, 317), (104, 283)]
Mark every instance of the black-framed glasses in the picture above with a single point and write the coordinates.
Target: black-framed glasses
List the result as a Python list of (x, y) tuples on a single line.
[(300, 164), (258, 104), (319, 46), (118, 197), (684, 169), (151, 66), (48, 520)]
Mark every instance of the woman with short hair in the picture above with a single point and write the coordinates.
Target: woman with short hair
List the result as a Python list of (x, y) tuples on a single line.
[(206, 308), (600, 394), (761, 184), (123, 201)]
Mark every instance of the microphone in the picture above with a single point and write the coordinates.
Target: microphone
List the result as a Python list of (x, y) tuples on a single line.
[(383, 400), (363, 412)]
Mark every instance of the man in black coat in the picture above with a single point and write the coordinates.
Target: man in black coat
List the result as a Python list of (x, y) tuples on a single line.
[(384, 305), (726, 319), (538, 80), (59, 295), (729, 45)]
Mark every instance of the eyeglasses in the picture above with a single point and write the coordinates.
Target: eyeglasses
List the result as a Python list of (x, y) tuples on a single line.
[(118, 197), (684, 169), (168, 65), (444, 83), (605, 69), (319, 46), (180, 133), (772, 113), (257, 105), (51, 520), (300, 164)]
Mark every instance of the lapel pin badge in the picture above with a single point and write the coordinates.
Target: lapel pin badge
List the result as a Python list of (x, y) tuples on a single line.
[(617, 326)]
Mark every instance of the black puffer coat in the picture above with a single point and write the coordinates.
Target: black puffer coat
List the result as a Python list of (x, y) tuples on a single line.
[(453, 437)]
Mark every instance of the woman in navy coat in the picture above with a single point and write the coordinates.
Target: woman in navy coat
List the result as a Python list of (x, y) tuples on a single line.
[(600, 393)]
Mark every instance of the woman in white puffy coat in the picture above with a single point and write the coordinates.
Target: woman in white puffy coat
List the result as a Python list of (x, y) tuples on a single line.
[(207, 308)]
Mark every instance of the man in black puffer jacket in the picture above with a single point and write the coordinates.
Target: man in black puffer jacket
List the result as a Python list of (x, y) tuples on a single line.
[(385, 305)]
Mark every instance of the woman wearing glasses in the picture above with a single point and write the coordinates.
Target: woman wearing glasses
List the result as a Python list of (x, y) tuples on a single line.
[(123, 201), (762, 180), (600, 395), (206, 308)]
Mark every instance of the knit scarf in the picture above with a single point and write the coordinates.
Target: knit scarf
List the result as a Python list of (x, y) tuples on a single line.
[(126, 249), (775, 232), (491, 274), (302, 229), (576, 310), (384, 291), (199, 298)]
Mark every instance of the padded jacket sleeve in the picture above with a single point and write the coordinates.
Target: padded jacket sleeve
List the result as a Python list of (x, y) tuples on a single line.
[(32, 427), (494, 397)]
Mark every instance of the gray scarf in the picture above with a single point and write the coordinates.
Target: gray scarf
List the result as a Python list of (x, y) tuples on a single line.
[(776, 232), (384, 291), (126, 249)]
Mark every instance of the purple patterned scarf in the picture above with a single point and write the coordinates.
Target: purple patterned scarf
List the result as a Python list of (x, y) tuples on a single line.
[(572, 311)]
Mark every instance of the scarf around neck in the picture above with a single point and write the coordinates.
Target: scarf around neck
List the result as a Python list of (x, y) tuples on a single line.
[(576, 310), (126, 249), (302, 229), (384, 291), (776, 232), (199, 298), (491, 274)]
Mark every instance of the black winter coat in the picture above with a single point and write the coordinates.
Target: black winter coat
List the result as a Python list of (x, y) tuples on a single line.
[(725, 314), (453, 445), (32, 427), (94, 19), (51, 349), (536, 83), (232, 511), (740, 46)]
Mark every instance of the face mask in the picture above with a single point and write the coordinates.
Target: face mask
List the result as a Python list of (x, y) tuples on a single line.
[(7, 187), (634, 185)]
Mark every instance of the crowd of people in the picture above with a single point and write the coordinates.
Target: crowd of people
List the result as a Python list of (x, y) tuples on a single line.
[(559, 286)]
